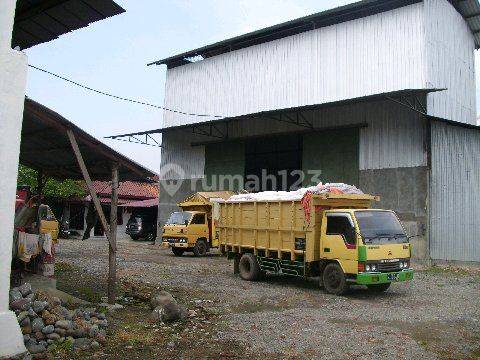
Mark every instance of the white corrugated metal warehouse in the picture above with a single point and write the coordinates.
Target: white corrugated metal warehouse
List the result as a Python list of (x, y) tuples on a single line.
[(380, 93)]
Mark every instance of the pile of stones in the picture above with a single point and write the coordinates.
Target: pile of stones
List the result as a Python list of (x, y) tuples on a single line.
[(47, 324)]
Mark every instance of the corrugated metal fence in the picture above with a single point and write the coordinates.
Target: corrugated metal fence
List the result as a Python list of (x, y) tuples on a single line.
[(455, 193)]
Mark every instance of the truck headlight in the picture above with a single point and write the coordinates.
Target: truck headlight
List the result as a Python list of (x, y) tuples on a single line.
[(374, 267), (367, 268)]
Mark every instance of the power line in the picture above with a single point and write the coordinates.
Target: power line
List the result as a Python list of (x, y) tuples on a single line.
[(120, 97)]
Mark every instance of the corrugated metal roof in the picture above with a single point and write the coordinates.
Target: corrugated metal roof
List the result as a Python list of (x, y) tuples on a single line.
[(39, 21), (470, 10), (325, 18), (45, 145)]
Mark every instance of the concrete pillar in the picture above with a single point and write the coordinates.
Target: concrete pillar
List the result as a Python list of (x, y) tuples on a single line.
[(13, 78)]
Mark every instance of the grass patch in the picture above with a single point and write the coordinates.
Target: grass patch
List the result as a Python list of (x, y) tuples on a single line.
[(76, 282)]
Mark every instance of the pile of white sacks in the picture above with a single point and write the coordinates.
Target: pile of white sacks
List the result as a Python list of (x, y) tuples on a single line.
[(297, 194)]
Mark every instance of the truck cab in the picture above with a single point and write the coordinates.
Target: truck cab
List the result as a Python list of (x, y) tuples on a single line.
[(369, 247), (187, 231), (192, 229)]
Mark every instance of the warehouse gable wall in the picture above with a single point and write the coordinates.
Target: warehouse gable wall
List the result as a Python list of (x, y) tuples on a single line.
[(450, 63), (370, 55), (455, 193)]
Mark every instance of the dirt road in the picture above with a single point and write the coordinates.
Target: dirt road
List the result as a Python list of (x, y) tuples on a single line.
[(435, 316)]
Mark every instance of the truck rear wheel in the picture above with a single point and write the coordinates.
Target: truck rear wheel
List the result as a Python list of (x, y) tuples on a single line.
[(177, 251), (200, 248), (378, 287), (249, 268), (334, 279)]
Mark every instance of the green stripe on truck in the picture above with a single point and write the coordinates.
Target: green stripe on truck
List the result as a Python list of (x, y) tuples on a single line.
[(362, 253)]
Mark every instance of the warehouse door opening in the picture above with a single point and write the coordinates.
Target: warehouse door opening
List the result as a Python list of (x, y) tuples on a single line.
[(273, 163), (331, 156)]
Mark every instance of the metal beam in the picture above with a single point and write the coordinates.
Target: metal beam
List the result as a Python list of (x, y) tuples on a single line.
[(91, 189), (303, 131)]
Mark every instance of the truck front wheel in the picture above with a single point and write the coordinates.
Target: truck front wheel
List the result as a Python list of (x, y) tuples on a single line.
[(249, 268), (334, 279), (200, 248)]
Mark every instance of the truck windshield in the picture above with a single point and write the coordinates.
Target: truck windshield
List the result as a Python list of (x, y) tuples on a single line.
[(179, 218), (380, 227)]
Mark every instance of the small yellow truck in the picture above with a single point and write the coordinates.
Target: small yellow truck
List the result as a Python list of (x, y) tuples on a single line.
[(337, 237), (193, 229)]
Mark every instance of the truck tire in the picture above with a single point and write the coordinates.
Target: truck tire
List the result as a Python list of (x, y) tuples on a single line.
[(200, 248), (249, 268), (134, 237), (378, 288), (177, 251), (334, 279)]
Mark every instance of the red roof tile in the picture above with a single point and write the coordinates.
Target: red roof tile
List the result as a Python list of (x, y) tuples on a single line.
[(127, 190)]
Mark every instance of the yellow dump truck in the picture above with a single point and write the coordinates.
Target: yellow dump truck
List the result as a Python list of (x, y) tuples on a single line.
[(336, 237), (193, 229)]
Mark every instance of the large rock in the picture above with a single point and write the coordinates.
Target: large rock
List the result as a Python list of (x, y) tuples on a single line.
[(39, 306), (53, 336), (160, 299), (48, 329), (21, 304), (39, 335), (37, 324), (15, 294), (36, 349), (172, 312), (25, 322), (32, 313), (22, 316), (64, 324), (76, 333), (25, 289), (26, 330), (61, 312), (60, 331), (49, 318)]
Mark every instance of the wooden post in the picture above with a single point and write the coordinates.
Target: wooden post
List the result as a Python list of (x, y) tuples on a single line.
[(88, 181), (112, 258), (39, 196)]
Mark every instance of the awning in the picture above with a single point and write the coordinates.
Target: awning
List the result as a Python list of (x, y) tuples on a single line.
[(45, 146), (218, 128), (39, 21)]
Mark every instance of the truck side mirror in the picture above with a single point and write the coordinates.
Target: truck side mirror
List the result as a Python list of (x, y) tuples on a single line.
[(186, 222)]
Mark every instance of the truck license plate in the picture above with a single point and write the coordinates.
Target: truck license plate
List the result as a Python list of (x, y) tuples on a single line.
[(392, 277)]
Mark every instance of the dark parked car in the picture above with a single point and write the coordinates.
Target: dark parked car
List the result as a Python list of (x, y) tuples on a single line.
[(142, 226)]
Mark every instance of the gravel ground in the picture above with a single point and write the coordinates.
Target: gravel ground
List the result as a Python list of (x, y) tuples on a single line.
[(435, 316)]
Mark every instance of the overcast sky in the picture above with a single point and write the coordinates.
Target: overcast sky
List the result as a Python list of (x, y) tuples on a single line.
[(111, 55)]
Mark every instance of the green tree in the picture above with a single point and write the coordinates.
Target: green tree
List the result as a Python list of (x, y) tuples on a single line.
[(53, 188)]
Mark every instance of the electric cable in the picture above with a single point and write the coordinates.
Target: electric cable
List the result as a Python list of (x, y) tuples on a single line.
[(120, 97)]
